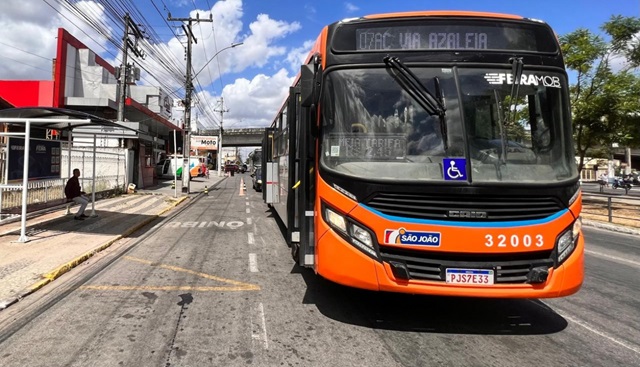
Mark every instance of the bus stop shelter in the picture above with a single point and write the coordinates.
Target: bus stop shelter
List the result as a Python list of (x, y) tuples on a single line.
[(56, 119)]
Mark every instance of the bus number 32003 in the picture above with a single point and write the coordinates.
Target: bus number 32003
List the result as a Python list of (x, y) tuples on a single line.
[(514, 240)]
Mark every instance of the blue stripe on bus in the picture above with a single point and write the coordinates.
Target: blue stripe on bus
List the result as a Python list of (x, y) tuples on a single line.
[(513, 223)]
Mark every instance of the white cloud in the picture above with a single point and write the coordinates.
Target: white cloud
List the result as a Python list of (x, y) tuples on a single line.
[(30, 28), (297, 56), (254, 103), (258, 49), (259, 46), (351, 8)]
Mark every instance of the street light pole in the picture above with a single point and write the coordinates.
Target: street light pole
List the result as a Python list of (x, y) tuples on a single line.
[(222, 112), (214, 56), (186, 145)]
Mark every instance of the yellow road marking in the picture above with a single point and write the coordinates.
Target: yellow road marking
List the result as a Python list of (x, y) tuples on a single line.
[(235, 285)]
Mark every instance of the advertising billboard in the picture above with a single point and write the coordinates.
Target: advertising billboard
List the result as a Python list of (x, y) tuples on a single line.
[(44, 159)]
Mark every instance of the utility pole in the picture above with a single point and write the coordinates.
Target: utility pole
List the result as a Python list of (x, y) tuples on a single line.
[(186, 145), (222, 112), (123, 73)]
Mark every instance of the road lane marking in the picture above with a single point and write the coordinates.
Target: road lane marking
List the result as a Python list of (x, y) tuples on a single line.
[(260, 335), (611, 257), (234, 224), (248, 211), (590, 328), (234, 285), (601, 333), (253, 263), (250, 238), (249, 220)]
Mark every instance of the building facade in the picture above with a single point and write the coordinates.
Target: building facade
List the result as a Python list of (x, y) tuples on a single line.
[(83, 81)]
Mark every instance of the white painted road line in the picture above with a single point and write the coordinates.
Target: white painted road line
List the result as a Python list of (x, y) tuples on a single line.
[(248, 211), (602, 334), (590, 328), (253, 263), (614, 258), (249, 221), (250, 238), (262, 324)]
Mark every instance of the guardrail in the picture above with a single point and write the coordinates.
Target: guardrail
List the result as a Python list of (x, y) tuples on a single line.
[(624, 210)]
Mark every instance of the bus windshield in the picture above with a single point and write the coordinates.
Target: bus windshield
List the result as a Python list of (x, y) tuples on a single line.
[(374, 128)]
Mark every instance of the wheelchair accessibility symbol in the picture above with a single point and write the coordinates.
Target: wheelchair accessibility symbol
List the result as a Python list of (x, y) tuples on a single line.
[(454, 169)]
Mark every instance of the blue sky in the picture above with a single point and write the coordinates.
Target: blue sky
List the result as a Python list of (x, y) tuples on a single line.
[(252, 78)]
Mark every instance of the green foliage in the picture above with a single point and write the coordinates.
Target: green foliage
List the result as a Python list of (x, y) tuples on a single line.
[(605, 98)]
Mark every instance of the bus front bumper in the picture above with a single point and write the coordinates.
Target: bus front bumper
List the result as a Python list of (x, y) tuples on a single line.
[(340, 262)]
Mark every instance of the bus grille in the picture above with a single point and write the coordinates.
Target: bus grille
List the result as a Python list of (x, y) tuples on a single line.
[(465, 208), (508, 268)]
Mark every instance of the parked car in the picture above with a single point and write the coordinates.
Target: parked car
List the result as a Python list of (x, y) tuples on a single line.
[(231, 168), (257, 179), (165, 168)]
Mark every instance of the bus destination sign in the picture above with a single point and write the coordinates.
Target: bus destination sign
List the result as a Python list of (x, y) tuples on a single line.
[(445, 37), (368, 146)]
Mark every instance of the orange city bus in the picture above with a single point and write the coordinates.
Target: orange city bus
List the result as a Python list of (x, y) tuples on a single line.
[(431, 153)]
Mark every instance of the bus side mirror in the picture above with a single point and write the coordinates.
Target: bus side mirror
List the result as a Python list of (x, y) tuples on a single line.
[(307, 83)]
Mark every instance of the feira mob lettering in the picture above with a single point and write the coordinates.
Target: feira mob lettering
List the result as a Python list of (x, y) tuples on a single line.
[(413, 40)]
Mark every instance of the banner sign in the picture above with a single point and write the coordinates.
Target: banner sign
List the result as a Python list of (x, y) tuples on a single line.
[(44, 159), (204, 142)]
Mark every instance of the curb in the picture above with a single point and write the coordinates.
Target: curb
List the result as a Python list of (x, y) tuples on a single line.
[(60, 270), (610, 227)]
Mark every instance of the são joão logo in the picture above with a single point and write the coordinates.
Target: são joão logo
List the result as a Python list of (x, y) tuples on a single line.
[(405, 237)]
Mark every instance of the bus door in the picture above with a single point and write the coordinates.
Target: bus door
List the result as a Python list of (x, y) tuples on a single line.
[(268, 166), (304, 119)]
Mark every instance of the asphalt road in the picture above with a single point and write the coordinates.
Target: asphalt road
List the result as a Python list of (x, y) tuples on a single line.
[(215, 286)]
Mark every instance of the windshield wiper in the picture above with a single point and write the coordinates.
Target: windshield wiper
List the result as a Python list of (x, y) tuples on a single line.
[(433, 105), (516, 74)]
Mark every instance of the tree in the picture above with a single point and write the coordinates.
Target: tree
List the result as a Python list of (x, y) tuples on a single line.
[(605, 98)]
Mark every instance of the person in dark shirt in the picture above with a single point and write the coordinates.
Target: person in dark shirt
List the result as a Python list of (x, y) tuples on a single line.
[(74, 192)]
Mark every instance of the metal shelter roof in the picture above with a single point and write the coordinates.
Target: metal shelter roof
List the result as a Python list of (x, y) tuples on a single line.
[(39, 117)]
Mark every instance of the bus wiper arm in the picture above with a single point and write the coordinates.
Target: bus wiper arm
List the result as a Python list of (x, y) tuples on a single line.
[(516, 74), (410, 82), (433, 105)]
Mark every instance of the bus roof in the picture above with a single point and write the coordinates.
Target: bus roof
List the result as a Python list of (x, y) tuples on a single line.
[(440, 13)]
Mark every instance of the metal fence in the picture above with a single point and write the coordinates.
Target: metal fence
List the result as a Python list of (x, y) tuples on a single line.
[(624, 210), (110, 175)]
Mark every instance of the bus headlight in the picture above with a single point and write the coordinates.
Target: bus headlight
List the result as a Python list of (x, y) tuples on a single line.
[(360, 234), (353, 232), (336, 220), (567, 241)]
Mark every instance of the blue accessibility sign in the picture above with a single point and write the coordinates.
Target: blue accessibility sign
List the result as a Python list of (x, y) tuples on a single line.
[(454, 169)]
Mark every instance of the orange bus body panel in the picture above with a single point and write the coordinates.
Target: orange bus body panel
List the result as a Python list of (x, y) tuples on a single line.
[(440, 13), (339, 261)]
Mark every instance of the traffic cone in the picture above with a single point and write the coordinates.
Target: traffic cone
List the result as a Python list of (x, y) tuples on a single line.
[(242, 188)]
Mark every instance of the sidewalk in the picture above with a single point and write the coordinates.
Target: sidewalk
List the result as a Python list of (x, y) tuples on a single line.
[(58, 243)]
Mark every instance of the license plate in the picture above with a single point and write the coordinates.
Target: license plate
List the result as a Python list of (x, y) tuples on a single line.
[(470, 276)]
